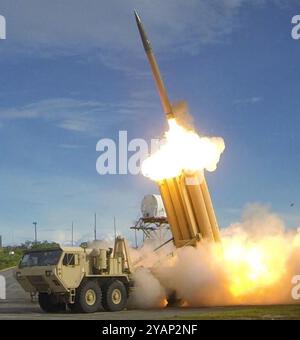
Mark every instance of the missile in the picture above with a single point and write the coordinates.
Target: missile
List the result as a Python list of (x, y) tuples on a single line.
[(167, 107), (188, 206)]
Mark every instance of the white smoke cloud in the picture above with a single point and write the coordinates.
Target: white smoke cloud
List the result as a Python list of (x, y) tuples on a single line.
[(149, 292), (254, 265)]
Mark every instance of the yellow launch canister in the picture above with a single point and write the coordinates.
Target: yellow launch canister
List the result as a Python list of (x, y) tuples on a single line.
[(189, 209)]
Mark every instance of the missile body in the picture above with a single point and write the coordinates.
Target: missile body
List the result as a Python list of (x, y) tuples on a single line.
[(167, 107)]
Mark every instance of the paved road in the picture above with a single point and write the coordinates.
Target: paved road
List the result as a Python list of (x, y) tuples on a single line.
[(19, 306)]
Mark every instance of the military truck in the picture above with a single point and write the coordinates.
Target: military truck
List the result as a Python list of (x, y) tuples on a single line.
[(85, 280)]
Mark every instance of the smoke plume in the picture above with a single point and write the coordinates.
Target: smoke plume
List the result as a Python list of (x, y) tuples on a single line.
[(254, 264)]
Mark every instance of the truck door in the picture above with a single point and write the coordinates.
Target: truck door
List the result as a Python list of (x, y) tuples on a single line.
[(71, 270)]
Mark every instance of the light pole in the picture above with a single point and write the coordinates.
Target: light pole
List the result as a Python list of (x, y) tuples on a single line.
[(115, 227), (72, 234), (35, 232), (95, 227)]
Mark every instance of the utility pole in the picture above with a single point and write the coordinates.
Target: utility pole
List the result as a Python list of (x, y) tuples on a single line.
[(136, 241), (115, 228), (72, 242), (95, 228), (35, 232)]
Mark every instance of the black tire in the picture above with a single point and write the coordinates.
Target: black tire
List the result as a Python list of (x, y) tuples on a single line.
[(174, 300), (49, 303), (88, 297), (72, 307), (114, 296)]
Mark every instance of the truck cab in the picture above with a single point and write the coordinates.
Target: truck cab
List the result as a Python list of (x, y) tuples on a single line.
[(84, 280)]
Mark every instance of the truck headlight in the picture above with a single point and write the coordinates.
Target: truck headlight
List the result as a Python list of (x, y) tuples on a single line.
[(48, 273)]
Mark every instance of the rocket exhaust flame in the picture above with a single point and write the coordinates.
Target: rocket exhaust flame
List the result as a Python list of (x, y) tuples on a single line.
[(184, 150), (178, 168), (254, 264)]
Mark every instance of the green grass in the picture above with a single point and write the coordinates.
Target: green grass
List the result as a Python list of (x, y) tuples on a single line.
[(278, 312), (7, 261)]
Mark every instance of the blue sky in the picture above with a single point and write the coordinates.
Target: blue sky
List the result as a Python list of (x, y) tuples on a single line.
[(72, 72)]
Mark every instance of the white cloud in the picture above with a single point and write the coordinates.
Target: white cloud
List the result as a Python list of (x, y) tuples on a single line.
[(79, 115), (66, 23), (63, 200), (107, 30), (250, 100)]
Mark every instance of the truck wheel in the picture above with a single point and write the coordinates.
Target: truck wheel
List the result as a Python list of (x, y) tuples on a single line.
[(174, 301), (114, 296), (88, 297), (49, 304)]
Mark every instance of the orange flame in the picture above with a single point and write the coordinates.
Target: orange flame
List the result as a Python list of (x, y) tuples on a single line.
[(184, 150)]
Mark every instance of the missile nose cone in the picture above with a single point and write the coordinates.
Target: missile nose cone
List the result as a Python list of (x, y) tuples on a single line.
[(145, 40), (137, 18)]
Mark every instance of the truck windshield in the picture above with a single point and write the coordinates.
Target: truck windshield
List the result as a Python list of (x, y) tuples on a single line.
[(41, 258)]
